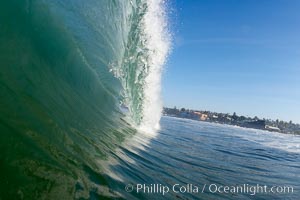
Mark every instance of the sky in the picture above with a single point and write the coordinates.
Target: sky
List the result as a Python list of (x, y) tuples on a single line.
[(238, 56)]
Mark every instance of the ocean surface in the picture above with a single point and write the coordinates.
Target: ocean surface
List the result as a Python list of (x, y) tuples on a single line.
[(80, 111), (201, 153)]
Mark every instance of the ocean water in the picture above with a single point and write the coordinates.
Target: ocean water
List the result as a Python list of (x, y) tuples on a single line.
[(76, 79), (201, 153), (80, 111)]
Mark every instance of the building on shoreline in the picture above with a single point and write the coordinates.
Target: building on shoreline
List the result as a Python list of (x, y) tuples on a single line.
[(234, 119)]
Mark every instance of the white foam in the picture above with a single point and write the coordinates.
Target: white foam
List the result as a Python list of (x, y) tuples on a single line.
[(285, 142), (158, 42)]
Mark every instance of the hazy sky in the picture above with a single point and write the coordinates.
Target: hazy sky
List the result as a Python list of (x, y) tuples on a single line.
[(235, 56)]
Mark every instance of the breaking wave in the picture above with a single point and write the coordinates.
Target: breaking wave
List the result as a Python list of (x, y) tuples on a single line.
[(76, 79)]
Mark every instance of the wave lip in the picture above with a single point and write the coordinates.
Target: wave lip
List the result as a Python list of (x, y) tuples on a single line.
[(147, 47), (158, 42)]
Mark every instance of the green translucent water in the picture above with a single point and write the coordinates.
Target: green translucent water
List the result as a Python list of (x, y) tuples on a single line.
[(59, 102)]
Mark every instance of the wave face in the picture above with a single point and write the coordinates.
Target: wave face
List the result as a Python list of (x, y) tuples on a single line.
[(76, 78)]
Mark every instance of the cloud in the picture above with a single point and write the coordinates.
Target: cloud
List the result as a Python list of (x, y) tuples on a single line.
[(280, 43), (239, 41)]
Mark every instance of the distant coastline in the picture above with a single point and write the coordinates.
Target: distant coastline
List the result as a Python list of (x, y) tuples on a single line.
[(235, 120)]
